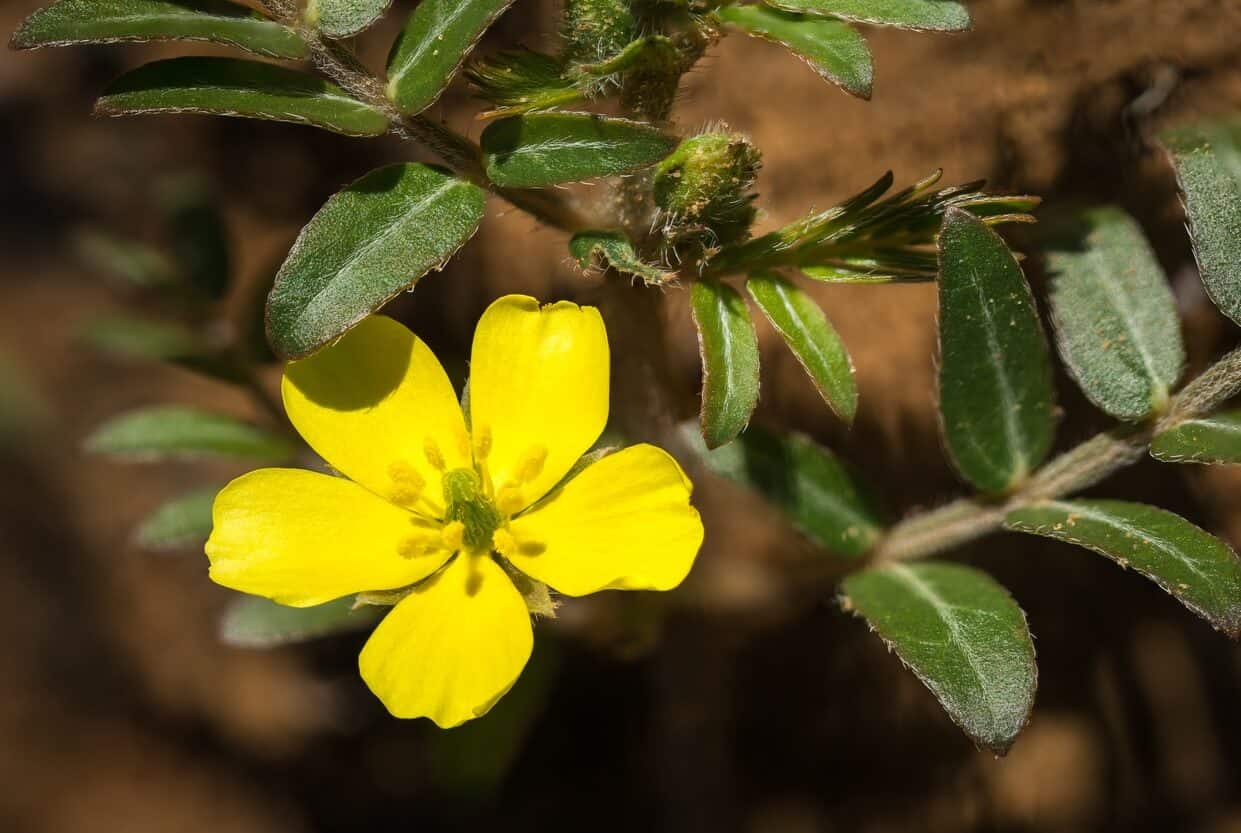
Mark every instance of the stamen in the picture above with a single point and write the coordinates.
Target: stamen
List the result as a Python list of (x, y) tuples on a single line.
[(510, 499), (418, 545), (482, 443), (434, 456), (407, 482), (532, 462), (453, 535), (504, 542)]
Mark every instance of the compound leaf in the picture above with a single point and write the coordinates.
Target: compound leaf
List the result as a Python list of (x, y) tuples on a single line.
[(995, 375), (815, 490), (1116, 320), (811, 337), (962, 634), (541, 149), (833, 48), (71, 22), (434, 43), (1197, 568), (935, 15), (175, 432), (728, 346), (1207, 158), (248, 89), (369, 243)]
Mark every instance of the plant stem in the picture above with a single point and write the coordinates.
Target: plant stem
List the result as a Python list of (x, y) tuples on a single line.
[(464, 156), (970, 518)]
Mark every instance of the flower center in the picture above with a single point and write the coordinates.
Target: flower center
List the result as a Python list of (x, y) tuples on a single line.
[(467, 504)]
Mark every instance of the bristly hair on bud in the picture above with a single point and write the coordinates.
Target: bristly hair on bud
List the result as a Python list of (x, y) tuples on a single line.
[(705, 192), (596, 30)]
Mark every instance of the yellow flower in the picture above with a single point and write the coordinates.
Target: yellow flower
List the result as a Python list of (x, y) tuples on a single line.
[(441, 507)]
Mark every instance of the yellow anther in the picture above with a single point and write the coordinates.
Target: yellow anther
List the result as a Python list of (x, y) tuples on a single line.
[(407, 482), (510, 499), (418, 545), (482, 443), (504, 542), (452, 535), (434, 456), (531, 465)]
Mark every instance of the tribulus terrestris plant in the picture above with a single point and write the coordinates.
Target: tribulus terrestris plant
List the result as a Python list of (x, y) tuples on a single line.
[(466, 518)]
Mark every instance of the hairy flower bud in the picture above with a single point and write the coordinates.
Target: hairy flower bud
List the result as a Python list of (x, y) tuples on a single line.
[(595, 30), (704, 189)]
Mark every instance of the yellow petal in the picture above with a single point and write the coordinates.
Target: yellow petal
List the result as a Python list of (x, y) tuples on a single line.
[(453, 647), (379, 408), (538, 393), (624, 523), (303, 538)]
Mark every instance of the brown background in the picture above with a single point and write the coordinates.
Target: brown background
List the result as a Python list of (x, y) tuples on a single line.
[(734, 705)]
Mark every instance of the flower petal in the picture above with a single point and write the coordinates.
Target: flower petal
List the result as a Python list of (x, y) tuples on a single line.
[(378, 407), (538, 390), (453, 647), (303, 538), (624, 523)]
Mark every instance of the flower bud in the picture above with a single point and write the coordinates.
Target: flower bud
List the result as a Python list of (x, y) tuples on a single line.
[(595, 30), (704, 189)]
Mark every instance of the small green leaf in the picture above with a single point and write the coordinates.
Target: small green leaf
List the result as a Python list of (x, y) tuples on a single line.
[(541, 149), (1208, 167), (818, 493), (254, 622), (962, 634), (615, 249), (1209, 439), (248, 89), (182, 523), (345, 18), (369, 243), (129, 261), (521, 80), (171, 431), (729, 349), (994, 372), (933, 15), (70, 22), (199, 236), (1116, 320), (437, 37), (138, 338), (833, 48), (1197, 568), (811, 337)]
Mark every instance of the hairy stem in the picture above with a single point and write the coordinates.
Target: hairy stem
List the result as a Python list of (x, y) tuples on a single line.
[(970, 518)]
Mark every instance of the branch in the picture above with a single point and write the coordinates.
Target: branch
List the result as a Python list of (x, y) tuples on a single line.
[(967, 519)]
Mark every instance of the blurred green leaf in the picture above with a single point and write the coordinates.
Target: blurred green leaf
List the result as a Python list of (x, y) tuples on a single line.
[(199, 236), (615, 250), (833, 48), (811, 337), (345, 18), (1209, 439), (962, 634), (437, 37), (728, 346), (70, 22), (172, 431), (1197, 568), (254, 622), (142, 339), (815, 491), (996, 399), (248, 89), (937, 15), (179, 524), (1116, 320), (541, 149), (1207, 158), (132, 262), (365, 246)]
